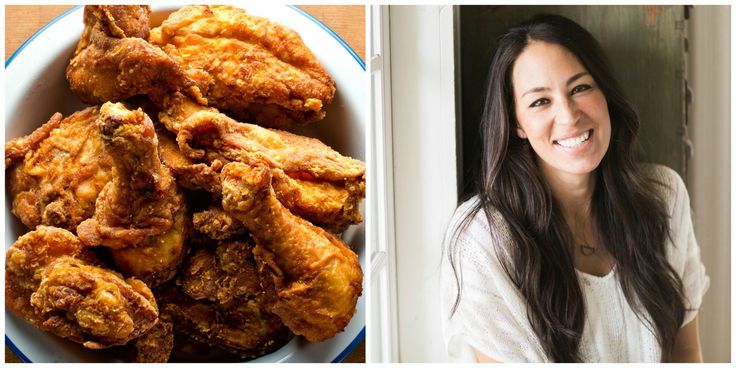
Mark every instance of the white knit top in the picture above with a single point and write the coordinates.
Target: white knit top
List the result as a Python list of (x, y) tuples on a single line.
[(491, 316)]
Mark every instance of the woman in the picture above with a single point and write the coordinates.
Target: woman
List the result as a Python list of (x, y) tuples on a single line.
[(571, 251)]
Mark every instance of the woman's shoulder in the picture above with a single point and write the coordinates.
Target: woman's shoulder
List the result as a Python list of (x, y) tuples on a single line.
[(471, 215), (470, 226), (669, 183), (665, 175)]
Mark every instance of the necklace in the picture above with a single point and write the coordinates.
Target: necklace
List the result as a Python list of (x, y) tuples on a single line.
[(587, 250)]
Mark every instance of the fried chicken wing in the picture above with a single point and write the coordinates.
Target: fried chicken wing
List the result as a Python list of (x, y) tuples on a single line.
[(318, 279), (91, 305), (140, 214), (253, 67), (113, 61), (56, 172), (310, 178), (53, 282)]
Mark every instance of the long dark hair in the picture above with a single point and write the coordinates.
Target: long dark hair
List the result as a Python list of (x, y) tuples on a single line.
[(629, 214)]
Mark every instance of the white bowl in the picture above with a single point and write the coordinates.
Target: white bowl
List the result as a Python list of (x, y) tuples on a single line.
[(35, 88)]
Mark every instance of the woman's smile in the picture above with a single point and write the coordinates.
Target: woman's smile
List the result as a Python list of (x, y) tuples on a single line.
[(560, 110)]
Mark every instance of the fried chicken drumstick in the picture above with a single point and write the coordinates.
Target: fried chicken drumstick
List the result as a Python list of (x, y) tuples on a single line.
[(316, 276), (140, 214)]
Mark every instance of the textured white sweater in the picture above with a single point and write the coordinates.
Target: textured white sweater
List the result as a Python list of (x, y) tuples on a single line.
[(491, 316)]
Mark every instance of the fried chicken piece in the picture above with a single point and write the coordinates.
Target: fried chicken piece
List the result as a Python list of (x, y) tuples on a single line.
[(56, 172), (157, 259), (243, 328), (91, 305), (222, 274), (119, 20), (190, 175), (224, 303), (142, 198), (25, 261), (310, 178), (322, 203), (218, 224), (56, 284), (140, 214), (253, 67), (156, 344), (113, 61), (318, 279)]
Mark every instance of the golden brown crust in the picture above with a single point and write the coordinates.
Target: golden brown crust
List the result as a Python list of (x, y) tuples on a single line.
[(16, 149), (63, 170), (25, 262), (222, 301), (217, 224), (141, 213), (113, 61), (310, 178), (54, 283), (318, 279), (248, 65), (120, 20), (156, 344), (142, 199), (91, 305)]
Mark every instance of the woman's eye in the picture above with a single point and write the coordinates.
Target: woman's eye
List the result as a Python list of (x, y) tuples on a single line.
[(580, 88), (539, 102)]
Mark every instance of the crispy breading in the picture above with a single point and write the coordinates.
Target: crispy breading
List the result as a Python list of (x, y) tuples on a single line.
[(113, 61), (92, 306), (251, 66), (140, 214), (64, 167), (310, 178), (222, 301), (318, 279), (56, 284), (156, 344), (218, 224)]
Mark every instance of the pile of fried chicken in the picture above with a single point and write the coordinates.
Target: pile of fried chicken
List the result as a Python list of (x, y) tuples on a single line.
[(175, 211)]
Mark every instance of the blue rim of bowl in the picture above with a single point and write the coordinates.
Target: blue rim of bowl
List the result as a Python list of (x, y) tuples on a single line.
[(332, 33)]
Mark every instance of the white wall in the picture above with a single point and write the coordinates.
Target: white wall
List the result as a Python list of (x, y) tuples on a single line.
[(425, 187), (710, 169)]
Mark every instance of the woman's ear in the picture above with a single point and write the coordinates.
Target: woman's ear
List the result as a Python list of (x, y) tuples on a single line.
[(520, 132)]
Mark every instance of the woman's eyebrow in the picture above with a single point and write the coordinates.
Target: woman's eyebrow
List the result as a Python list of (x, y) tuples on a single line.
[(569, 81), (536, 89), (576, 77)]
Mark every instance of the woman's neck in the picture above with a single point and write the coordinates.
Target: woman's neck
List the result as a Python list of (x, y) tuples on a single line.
[(573, 192)]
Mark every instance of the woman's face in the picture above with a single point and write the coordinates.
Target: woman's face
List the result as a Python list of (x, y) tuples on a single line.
[(560, 110)]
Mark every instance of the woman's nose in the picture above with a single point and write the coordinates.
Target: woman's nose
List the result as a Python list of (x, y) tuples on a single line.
[(567, 112)]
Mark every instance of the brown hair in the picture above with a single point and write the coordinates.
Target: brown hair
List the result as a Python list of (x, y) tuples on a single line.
[(629, 214)]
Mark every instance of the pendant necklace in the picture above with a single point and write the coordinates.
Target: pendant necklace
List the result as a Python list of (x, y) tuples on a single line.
[(586, 249)]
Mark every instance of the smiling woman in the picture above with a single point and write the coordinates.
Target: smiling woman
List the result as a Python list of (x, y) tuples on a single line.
[(581, 253)]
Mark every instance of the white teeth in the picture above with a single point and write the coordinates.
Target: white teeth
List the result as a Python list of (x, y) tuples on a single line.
[(575, 141)]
